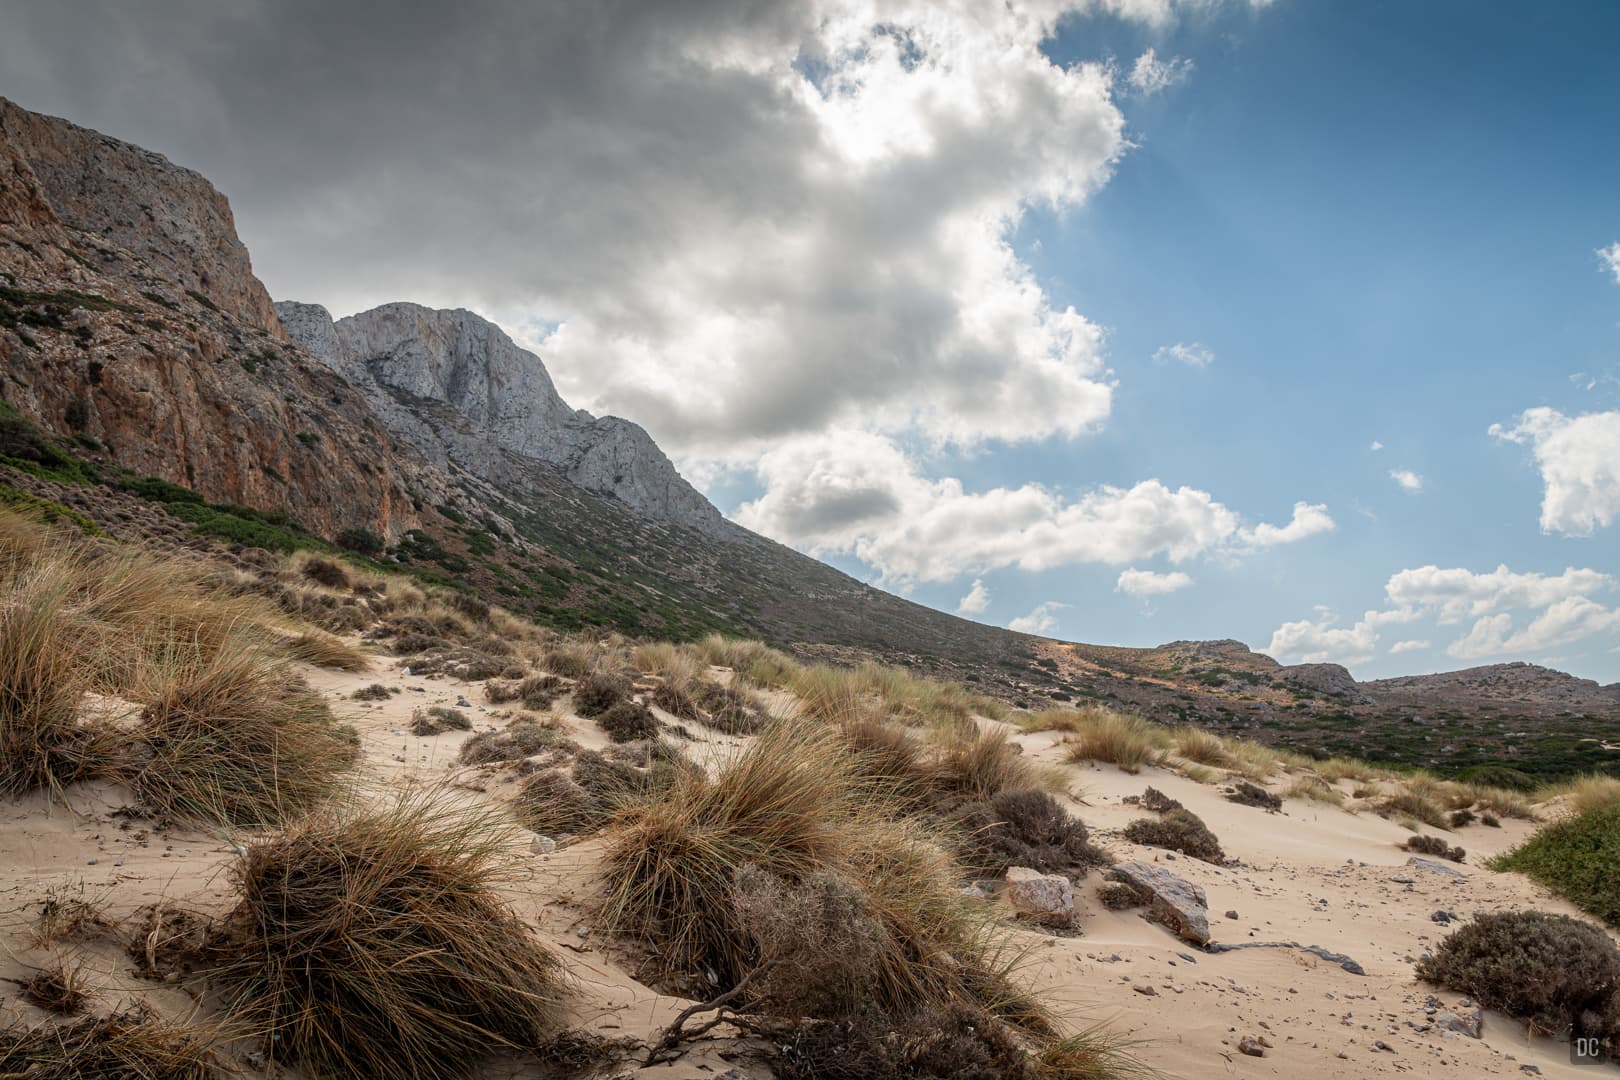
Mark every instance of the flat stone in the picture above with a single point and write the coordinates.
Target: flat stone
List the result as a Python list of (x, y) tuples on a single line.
[(1470, 1022), (1434, 867), (1178, 904)]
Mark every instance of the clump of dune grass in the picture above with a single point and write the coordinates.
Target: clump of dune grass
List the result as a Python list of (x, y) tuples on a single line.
[(59, 989), (1129, 742), (1199, 774), (1315, 789), (1414, 804), (327, 650), (129, 1045), (789, 807), (234, 738), (980, 765), (1578, 858), (1200, 746), (1589, 792), (368, 938), (70, 912), (569, 661), (727, 709), (43, 744)]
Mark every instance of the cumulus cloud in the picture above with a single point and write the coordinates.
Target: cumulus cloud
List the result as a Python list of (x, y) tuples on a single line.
[(1376, 446), (1579, 459), (1194, 355), (1559, 607), (1039, 621), (1136, 582), (1409, 481), (1150, 75), (976, 600), (1411, 645), (1611, 259), (858, 493)]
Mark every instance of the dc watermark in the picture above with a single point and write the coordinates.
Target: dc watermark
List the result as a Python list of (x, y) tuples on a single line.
[(1585, 1050)]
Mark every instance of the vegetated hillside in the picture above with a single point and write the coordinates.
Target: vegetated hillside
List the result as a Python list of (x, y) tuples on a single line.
[(133, 330)]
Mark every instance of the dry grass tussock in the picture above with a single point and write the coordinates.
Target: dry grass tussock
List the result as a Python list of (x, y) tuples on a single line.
[(234, 738), (1129, 742), (1315, 789), (225, 735), (325, 650), (789, 808), (367, 937), (1583, 793)]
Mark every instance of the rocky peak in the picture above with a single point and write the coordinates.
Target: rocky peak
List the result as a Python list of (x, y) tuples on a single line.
[(403, 355), (170, 218)]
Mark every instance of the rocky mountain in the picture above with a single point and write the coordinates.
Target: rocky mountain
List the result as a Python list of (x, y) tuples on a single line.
[(401, 355), (140, 359)]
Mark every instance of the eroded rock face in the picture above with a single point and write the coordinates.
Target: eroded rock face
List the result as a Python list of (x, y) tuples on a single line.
[(169, 217), (1178, 904), (407, 357), (1329, 680)]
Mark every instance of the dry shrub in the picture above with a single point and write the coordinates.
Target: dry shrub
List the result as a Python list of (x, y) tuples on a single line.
[(469, 665), (1434, 845), (437, 719), (326, 572), (1560, 973), (128, 1045), (627, 721), (1126, 741), (1461, 818), (368, 937), (979, 765), (235, 738), (818, 946), (518, 740), (375, 692), (673, 699), (1024, 828), (327, 651), (598, 692), (59, 989), (1246, 794), (1157, 801), (727, 710), (536, 692), (1178, 830)]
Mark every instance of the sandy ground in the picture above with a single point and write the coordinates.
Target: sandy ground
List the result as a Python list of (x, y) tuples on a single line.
[(1312, 874)]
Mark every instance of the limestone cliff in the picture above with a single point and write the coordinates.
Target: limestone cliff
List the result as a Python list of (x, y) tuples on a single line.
[(403, 354), (130, 318)]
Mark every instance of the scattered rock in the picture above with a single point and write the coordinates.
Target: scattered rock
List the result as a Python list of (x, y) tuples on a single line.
[(1048, 898), (542, 845), (1471, 1022), (1251, 1046), (1315, 950), (1403, 879), (1435, 867), (1231, 914), (1178, 904), (1142, 988)]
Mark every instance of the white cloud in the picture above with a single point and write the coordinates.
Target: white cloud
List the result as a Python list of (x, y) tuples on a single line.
[(1194, 355), (976, 600), (1039, 621), (1150, 75), (1412, 645), (1571, 619), (1579, 459), (860, 494), (1611, 259), (1563, 613), (1376, 446), (1456, 593), (1150, 583), (1308, 520), (1410, 482)]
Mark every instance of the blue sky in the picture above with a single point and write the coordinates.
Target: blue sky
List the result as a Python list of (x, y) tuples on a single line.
[(1382, 221), (1081, 316)]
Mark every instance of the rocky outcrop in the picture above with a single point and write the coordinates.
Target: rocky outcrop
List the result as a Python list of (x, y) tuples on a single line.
[(1046, 898), (403, 355), (1329, 680), (167, 217)]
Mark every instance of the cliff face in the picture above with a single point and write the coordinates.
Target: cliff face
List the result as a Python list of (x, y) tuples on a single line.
[(403, 354), (130, 317)]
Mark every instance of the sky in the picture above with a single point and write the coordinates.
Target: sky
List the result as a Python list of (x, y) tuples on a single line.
[(1123, 321)]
